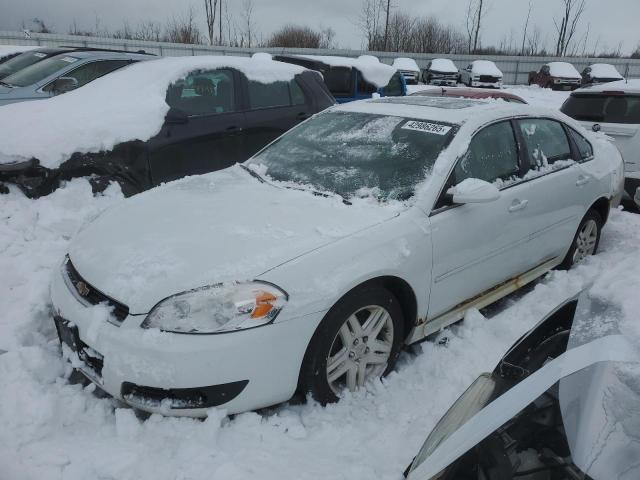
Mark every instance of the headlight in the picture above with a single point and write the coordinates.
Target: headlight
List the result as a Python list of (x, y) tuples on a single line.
[(218, 308)]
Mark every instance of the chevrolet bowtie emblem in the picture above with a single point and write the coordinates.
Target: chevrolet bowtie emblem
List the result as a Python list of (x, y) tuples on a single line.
[(83, 289)]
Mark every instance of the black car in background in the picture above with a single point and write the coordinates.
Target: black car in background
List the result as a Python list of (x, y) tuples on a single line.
[(216, 118)]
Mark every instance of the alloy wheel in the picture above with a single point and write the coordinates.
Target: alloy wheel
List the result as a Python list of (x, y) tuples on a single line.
[(586, 241), (361, 348)]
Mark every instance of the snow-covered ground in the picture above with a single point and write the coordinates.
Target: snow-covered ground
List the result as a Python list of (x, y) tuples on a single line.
[(51, 429)]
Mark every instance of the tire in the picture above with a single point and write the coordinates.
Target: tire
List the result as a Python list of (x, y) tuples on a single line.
[(339, 330), (586, 240)]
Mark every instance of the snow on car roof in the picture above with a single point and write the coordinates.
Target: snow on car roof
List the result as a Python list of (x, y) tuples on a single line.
[(372, 70), (563, 69), (128, 104), (485, 67), (6, 50), (626, 86), (404, 63), (604, 70), (443, 65)]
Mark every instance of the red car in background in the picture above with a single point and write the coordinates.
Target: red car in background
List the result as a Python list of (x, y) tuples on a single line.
[(478, 93), (556, 76)]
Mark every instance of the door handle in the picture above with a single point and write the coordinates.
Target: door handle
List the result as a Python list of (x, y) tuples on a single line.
[(582, 180), (234, 130), (518, 205)]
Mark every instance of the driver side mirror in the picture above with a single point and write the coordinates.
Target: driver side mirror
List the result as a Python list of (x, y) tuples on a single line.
[(176, 116), (474, 190), (63, 85)]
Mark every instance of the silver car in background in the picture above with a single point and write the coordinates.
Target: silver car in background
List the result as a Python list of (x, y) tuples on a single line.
[(63, 72)]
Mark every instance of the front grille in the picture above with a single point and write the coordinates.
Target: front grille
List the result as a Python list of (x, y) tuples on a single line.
[(488, 79), (92, 295)]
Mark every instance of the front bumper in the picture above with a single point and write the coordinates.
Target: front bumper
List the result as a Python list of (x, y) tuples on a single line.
[(445, 82), (164, 372), (475, 83)]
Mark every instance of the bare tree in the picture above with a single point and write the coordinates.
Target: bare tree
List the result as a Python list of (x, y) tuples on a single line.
[(40, 26), (248, 32), (369, 22), (183, 29), (386, 25), (526, 27), (295, 36), (475, 14), (566, 26), (210, 7)]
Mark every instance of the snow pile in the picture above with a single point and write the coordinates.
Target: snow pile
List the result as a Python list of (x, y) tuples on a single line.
[(128, 104), (406, 64), (563, 70), (372, 70), (444, 65), (604, 70), (485, 67), (7, 50)]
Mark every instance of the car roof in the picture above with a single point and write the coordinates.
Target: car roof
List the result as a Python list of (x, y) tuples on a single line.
[(446, 109), (625, 86), (467, 93)]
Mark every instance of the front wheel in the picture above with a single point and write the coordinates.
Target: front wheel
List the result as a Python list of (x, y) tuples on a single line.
[(586, 240), (359, 339)]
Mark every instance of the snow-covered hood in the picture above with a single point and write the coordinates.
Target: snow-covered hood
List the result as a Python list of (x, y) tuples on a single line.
[(221, 227)]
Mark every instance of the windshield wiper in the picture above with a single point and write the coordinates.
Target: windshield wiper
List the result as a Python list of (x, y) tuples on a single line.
[(6, 84), (252, 173)]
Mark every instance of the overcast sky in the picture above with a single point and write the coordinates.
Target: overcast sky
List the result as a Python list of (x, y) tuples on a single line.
[(611, 21)]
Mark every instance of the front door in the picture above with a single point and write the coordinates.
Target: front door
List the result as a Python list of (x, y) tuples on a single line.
[(478, 246), (206, 134)]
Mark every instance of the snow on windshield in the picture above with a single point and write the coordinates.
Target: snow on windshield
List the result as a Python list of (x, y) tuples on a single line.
[(125, 105), (357, 154), (443, 65), (486, 67), (563, 69), (604, 70), (403, 63)]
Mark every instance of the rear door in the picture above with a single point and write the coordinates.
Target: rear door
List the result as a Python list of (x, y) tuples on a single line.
[(272, 109), (202, 131), (559, 188), (478, 246)]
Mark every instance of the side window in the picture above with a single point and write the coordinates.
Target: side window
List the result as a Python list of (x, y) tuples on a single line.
[(492, 155), (394, 87), (364, 87), (297, 95), (265, 95), (584, 147), (338, 80), (203, 92), (546, 142), (90, 71)]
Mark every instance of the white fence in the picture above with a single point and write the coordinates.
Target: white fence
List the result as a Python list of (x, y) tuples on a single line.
[(514, 68)]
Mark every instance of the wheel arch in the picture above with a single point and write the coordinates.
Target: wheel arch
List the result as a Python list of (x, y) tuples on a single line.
[(602, 207)]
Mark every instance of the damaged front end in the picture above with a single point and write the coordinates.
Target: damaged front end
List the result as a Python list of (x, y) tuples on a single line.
[(126, 164)]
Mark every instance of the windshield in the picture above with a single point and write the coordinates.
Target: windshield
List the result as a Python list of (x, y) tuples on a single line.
[(39, 71), (356, 154), (19, 62)]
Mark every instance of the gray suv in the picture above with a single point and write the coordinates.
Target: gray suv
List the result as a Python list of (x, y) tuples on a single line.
[(63, 72)]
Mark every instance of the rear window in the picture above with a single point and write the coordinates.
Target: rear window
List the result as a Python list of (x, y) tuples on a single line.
[(604, 108), (394, 87), (338, 81)]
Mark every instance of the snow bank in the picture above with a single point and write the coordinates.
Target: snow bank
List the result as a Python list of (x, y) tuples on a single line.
[(404, 63), (372, 70), (6, 50), (485, 67), (604, 70), (563, 69), (444, 65), (125, 105)]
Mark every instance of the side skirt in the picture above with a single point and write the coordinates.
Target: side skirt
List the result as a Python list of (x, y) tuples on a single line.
[(457, 313)]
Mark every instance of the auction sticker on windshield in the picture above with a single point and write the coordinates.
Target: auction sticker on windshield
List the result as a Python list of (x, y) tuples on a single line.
[(69, 59), (427, 127)]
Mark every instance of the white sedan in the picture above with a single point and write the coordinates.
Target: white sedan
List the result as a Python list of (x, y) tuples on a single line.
[(367, 227)]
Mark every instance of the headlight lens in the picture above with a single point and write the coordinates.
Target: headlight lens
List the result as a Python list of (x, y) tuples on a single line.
[(218, 308)]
